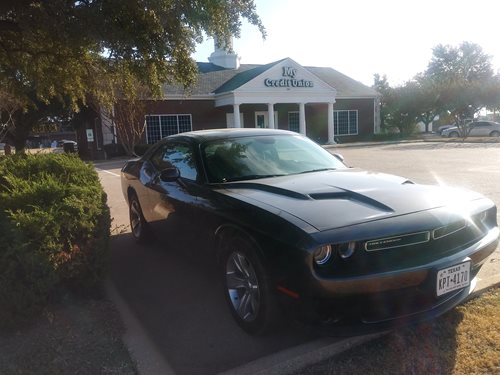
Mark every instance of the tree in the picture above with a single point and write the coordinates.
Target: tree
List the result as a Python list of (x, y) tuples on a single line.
[(9, 105), (397, 105), (492, 94), (402, 110), (381, 85), (467, 63), (72, 50), (463, 77), (426, 100), (127, 116)]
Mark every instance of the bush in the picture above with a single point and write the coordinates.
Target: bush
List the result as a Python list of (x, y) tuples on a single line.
[(113, 150), (55, 227)]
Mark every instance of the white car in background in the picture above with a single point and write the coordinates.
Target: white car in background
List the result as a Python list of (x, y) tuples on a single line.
[(475, 129), (443, 128)]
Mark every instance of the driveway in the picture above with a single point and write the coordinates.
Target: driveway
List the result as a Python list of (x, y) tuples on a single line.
[(178, 303)]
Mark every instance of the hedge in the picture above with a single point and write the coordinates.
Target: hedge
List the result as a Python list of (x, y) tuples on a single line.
[(54, 224)]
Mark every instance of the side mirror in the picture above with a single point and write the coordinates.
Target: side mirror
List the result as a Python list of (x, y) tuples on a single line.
[(339, 156), (170, 174)]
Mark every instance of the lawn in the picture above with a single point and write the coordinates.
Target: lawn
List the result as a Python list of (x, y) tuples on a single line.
[(464, 341)]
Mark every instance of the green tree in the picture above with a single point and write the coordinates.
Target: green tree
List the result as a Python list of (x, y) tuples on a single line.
[(398, 105), (402, 112), (463, 79), (70, 51), (426, 100), (492, 94)]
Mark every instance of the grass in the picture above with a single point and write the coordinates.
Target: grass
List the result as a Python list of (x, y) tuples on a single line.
[(464, 341)]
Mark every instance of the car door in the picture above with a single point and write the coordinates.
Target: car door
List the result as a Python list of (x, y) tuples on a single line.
[(171, 202), (481, 129)]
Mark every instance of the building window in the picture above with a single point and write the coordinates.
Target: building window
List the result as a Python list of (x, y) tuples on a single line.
[(293, 121), (345, 122), (161, 126)]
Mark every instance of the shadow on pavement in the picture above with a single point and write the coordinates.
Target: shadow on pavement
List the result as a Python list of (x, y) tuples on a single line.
[(180, 303)]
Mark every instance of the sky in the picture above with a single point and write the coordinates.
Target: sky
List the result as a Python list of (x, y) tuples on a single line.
[(361, 37)]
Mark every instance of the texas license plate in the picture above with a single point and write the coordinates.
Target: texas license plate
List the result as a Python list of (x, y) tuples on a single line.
[(453, 278)]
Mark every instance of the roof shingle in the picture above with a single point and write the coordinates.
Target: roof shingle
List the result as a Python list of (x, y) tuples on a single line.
[(213, 79)]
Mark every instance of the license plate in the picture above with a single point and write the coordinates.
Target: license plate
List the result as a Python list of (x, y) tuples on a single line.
[(453, 278)]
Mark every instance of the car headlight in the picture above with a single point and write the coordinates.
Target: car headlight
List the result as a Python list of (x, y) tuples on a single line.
[(322, 254), (346, 250)]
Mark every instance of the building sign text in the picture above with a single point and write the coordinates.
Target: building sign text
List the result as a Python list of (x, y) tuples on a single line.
[(289, 79)]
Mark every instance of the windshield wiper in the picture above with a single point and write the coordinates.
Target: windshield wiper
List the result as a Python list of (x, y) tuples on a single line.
[(252, 177), (318, 170)]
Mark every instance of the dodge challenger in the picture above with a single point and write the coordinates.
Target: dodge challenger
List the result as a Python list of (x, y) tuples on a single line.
[(292, 228)]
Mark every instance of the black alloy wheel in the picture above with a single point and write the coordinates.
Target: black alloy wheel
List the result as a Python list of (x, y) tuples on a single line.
[(138, 224), (247, 287)]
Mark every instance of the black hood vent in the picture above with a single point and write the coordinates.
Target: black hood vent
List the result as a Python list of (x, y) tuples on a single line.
[(352, 196)]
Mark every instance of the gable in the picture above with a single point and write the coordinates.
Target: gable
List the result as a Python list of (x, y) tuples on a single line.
[(283, 77)]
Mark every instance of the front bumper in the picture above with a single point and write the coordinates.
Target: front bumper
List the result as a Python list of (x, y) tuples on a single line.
[(389, 299)]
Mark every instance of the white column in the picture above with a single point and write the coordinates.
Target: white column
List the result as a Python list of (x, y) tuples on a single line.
[(302, 118), (331, 129), (270, 110), (236, 115)]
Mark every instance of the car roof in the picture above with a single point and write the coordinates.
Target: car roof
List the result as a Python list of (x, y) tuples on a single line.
[(202, 136)]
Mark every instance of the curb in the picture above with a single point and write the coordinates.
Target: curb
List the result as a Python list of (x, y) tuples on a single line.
[(483, 285), (425, 140), (142, 350), (371, 144), (293, 360)]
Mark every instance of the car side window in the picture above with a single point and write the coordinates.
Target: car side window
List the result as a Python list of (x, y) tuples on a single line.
[(176, 155), (482, 124)]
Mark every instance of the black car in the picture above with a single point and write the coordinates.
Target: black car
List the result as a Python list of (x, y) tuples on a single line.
[(294, 229)]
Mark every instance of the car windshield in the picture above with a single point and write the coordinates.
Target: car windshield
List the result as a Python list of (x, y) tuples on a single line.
[(247, 158)]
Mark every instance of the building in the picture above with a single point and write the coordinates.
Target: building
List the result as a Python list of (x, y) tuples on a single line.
[(321, 103)]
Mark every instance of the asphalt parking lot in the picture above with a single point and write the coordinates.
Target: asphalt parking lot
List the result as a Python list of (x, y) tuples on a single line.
[(177, 302)]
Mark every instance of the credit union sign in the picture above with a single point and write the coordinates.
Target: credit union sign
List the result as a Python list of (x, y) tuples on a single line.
[(288, 79)]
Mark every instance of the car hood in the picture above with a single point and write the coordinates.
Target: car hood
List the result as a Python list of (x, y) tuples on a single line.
[(333, 199)]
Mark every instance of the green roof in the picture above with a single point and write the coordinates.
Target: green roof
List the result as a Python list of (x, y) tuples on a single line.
[(245, 76)]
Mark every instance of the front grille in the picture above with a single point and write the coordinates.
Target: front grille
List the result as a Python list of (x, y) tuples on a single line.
[(410, 256), (448, 229), (406, 250)]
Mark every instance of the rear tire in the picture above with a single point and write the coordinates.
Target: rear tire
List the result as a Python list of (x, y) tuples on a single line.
[(138, 224), (247, 287)]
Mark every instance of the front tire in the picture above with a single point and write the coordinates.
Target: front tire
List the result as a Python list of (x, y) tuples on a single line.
[(247, 287), (494, 133), (138, 224), (453, 135)]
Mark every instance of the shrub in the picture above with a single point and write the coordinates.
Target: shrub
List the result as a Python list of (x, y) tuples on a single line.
[(113, 150), (55, 227)]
